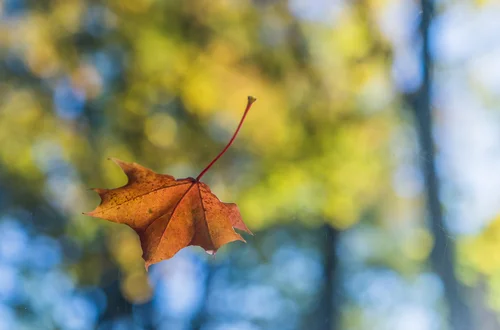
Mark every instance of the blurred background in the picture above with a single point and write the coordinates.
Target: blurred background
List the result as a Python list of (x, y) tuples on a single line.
[(367, 169)]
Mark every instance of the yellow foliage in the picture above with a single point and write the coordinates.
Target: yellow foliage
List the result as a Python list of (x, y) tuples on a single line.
[(481, 252), (159, 57), (161, 130), (351, 37), (67, 15), (136, 288), (133, 6), (420, 245)]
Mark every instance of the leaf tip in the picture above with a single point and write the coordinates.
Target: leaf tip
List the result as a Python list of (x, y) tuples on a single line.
[(100, 191), (119, 162), (115, 160)]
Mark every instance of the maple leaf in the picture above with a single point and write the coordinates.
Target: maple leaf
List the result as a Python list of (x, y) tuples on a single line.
[(170, 214)]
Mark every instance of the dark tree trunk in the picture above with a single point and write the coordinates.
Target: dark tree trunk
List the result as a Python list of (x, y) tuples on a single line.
[(443, 253), (328, 312)]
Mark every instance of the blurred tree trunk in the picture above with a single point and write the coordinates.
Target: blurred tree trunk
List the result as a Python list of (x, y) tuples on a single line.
[(443, 253), (326, 315), (328, 311)]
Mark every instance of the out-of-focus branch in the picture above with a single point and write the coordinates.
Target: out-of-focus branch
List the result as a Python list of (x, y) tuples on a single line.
[(443, 253), (329, 303)]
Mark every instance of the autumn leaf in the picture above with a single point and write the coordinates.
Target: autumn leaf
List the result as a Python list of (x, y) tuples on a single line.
[(170, 214)]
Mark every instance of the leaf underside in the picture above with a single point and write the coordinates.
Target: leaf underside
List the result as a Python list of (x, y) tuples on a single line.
[(169, 214)]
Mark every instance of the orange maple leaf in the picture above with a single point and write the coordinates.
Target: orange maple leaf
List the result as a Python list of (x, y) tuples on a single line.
[(170, 214)]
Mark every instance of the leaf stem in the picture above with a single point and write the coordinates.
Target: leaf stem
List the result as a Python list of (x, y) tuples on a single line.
[(251, 100)]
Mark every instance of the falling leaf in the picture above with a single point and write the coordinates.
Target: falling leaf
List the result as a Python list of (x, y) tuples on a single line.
[(170, 214)]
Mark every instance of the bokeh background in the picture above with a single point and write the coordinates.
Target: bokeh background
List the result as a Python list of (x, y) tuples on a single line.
[(368, 169)]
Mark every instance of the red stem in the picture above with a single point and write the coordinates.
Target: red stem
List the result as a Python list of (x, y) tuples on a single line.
[(251, 100)]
